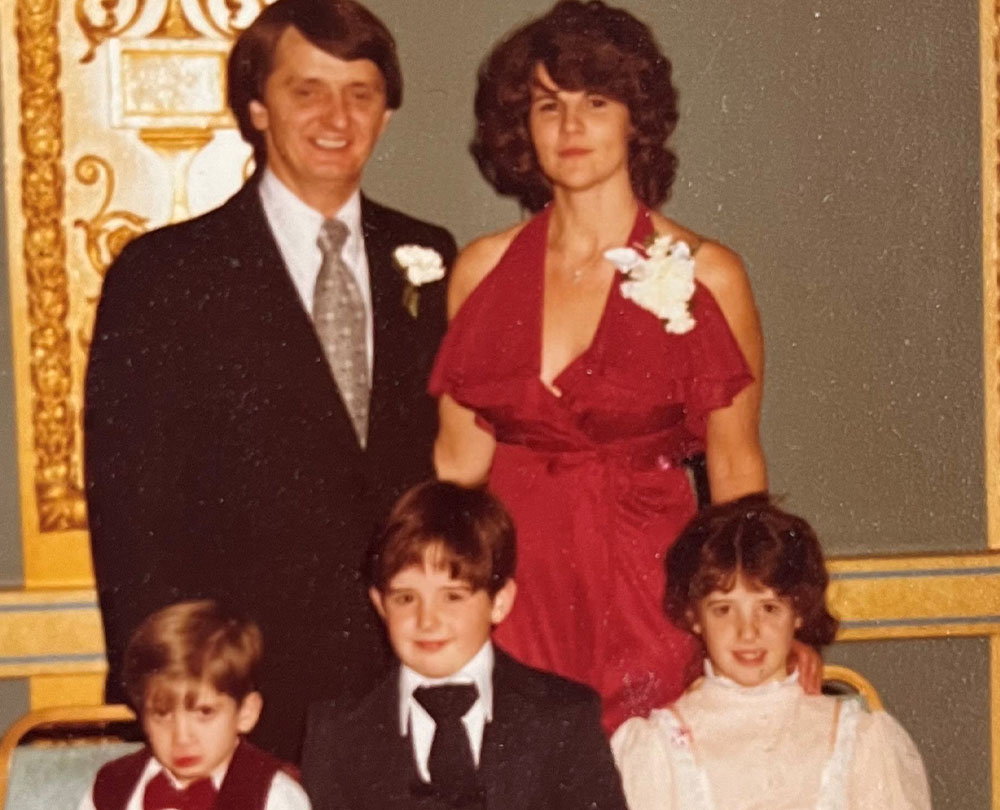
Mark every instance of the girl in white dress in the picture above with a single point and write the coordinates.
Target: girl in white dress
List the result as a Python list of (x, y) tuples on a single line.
[(747, 579)]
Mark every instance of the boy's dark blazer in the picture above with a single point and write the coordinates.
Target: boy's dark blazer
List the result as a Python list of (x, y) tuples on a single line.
[(221, 462), (543, 750)]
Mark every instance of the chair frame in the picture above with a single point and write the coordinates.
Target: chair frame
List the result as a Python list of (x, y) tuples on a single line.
[(856, 681), (56, 717)]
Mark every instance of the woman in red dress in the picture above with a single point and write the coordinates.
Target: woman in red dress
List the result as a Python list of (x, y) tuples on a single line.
[(575, 403)]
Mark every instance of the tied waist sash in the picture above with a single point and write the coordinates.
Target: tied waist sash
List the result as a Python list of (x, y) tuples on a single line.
[(643, 474)]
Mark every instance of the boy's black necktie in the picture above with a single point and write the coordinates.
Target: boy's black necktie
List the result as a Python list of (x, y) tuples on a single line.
[(451, 765)]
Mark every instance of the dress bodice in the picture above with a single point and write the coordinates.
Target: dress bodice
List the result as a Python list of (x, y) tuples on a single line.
[(635, 383)]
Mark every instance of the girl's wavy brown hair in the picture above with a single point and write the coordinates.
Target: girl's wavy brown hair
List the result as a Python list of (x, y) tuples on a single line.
[(753, 539)]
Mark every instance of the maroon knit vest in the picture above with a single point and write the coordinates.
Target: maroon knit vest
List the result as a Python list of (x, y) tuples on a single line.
[(245, 786)]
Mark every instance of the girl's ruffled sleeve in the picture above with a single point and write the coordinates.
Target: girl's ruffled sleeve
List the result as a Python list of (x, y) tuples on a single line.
[(887, 772), (644, 764)]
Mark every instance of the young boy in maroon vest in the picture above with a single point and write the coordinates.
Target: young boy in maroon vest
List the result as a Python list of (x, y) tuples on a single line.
[(189, 672)]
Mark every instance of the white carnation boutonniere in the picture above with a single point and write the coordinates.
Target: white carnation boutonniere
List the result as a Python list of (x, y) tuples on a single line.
[(660, 280), (419, 265)]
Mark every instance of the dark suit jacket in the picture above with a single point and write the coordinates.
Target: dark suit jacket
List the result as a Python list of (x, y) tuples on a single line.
[(543, 750), (221, 462)]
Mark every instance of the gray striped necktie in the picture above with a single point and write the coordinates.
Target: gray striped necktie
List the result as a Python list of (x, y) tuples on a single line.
[(340, 320)]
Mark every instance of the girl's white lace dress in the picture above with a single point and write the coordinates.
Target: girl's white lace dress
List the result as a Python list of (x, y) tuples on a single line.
[(771, 747)]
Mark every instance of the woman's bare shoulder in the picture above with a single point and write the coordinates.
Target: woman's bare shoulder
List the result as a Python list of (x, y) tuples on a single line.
[(474, 263), (721, 270)]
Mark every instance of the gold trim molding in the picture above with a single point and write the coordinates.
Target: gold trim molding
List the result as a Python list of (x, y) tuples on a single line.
[(58, 490), (49, 633), (989, 32)]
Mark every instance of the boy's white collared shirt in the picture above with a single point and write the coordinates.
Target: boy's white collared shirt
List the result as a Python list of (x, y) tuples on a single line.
[(413, 716), (295, 227), (284, 794)]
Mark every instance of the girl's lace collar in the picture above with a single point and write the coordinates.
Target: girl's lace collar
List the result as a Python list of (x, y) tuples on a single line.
[(770, 688)]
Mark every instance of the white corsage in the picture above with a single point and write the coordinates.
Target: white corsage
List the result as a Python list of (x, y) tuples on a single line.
[(420, 265), (660, 280)]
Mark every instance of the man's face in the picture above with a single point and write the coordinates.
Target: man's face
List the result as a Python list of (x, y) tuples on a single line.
[(437, 623), (321, 117), (192, 727)]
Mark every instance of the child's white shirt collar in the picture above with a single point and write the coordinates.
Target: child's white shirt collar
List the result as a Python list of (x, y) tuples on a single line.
[(414, 719), (477, 670), (712, 677)]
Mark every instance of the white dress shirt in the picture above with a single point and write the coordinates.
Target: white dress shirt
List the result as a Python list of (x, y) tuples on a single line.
[(284, 794), (296, 226), (413, 716)]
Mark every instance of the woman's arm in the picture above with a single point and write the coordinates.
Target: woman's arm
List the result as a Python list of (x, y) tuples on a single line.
[(463, 451), (734, 456)]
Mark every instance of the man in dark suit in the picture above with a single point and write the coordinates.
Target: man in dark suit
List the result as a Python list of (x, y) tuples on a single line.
[(458, 724), (255, 394)]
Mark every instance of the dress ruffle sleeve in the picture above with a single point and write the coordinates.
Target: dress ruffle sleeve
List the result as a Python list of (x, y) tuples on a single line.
[(641, 754), (485, 358), (887, 772), (716, 370)]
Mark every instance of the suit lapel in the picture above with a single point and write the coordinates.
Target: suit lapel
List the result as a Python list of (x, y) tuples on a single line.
[(511, 752), (391, 321), (275, 297), (383, 765)]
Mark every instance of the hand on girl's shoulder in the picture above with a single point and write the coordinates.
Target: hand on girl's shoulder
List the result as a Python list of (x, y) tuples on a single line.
[(474, 263)]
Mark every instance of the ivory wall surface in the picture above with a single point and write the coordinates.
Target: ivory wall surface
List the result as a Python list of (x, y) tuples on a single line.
[(835, 145)]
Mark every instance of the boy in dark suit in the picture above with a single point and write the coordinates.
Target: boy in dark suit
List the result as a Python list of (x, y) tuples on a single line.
[(458, 723), (190, 671)]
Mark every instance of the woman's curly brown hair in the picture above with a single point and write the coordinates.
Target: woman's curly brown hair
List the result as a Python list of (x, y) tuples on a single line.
[(583, 46), (754, 539)]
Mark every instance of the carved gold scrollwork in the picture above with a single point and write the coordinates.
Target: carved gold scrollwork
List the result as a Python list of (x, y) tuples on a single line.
[(175, 24), (97, 32), (174, 21), (228, 28), (57, 488), (107, 232)]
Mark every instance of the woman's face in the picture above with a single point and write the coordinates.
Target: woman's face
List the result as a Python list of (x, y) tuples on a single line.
[(581, 139), (748, 632)]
